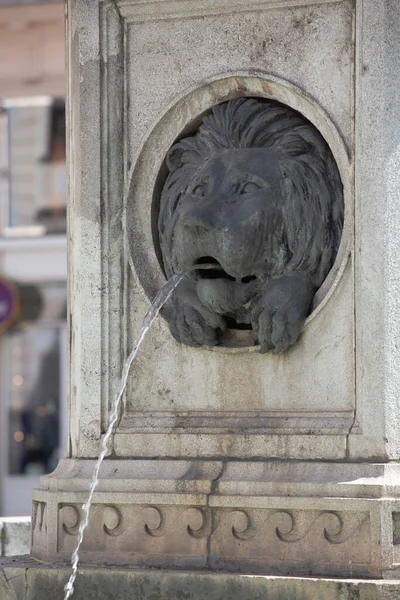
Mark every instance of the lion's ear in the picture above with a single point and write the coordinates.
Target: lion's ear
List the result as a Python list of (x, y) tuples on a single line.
[(174, 157)]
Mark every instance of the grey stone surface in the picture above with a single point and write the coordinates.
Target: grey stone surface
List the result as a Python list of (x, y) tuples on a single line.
[(27, 580), (15, 535)]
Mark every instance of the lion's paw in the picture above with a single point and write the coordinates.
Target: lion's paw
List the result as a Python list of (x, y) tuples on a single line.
[(193, 328), (279, 316)]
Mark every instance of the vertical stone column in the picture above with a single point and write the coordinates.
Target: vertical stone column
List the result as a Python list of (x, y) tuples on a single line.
[(377, 265), (230, 459), (85, 275), (96, 171)]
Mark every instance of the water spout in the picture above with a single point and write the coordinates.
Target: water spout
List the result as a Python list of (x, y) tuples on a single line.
[(151, 314)]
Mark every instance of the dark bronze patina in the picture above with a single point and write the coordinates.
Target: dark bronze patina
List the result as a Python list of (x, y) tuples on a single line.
[(257, 193)]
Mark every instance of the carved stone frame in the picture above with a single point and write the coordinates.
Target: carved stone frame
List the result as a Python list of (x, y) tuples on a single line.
[(104, 243)]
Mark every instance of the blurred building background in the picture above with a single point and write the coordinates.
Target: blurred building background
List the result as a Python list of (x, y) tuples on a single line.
[(32, 248)]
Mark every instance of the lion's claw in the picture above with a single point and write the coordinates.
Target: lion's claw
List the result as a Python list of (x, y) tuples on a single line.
[(279, 316), (190, 328), (192, 323)]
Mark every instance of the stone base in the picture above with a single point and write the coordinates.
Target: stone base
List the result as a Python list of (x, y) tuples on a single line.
[(289, 518), (24, 579), (15, 535)]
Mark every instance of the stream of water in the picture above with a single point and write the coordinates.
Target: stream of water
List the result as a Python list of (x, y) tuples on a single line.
[(151, 314)]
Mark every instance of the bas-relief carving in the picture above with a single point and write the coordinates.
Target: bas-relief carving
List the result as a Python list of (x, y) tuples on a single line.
[(293, 526), (70, 518), (39, 523), (396, 528), (39, 515), (147, 534), (113, 522), (256, 194), (175, 536), (310, 541)]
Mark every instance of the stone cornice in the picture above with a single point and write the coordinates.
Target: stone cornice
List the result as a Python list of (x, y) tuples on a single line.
[(138, 10)]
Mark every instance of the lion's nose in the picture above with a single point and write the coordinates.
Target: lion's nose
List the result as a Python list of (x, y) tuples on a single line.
[(205, 219)]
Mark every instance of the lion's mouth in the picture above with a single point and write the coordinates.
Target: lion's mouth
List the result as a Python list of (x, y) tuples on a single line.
[(207, 267)]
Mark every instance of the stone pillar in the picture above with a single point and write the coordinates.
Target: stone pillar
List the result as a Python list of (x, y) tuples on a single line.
[(227, 458)]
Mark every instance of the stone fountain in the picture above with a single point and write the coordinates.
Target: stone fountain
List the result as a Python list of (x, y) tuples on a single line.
[(257, 451)]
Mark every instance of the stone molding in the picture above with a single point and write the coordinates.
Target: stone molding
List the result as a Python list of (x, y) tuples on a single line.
[(319, 541), (138, 10), (229, 538), (293, 518)]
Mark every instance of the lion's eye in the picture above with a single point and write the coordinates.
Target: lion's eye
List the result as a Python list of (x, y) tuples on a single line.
[(249, 187), (199, 190)]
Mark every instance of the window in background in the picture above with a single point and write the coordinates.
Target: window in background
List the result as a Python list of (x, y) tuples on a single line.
[(33, 166), (34, 383)]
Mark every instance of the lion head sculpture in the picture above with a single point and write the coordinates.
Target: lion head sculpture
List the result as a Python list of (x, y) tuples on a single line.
[(255, 195)]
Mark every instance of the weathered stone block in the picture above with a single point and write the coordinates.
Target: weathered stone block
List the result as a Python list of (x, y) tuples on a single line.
[(15, 535), (22, 580)]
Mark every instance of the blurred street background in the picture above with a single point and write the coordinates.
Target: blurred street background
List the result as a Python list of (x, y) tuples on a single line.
[(33, 268)]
